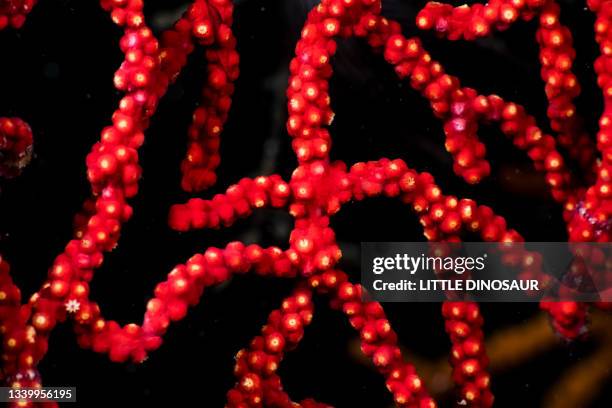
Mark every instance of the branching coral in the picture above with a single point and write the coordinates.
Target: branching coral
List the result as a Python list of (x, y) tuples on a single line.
[(318, 188)]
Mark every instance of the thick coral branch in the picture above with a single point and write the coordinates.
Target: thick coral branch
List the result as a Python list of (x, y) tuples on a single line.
[(239, 201), (209, 24)]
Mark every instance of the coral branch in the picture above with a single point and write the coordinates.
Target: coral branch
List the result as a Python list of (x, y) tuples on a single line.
[(239, 201), (183, 288), (256, 366), (378, 340), (556, 57)]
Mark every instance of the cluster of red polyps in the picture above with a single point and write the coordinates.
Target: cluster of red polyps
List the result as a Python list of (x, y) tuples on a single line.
[(13, 12), (15, 146), (317, 189)]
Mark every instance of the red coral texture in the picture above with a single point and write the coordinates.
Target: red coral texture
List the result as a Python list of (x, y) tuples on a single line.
[(318, 188)]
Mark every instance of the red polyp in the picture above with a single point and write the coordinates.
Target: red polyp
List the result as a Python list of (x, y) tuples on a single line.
[(316, 191)]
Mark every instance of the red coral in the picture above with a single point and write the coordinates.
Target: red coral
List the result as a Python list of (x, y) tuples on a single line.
[(318, 188), (15, 146)]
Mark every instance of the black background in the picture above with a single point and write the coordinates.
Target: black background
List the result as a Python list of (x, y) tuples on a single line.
[(56, 73)]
